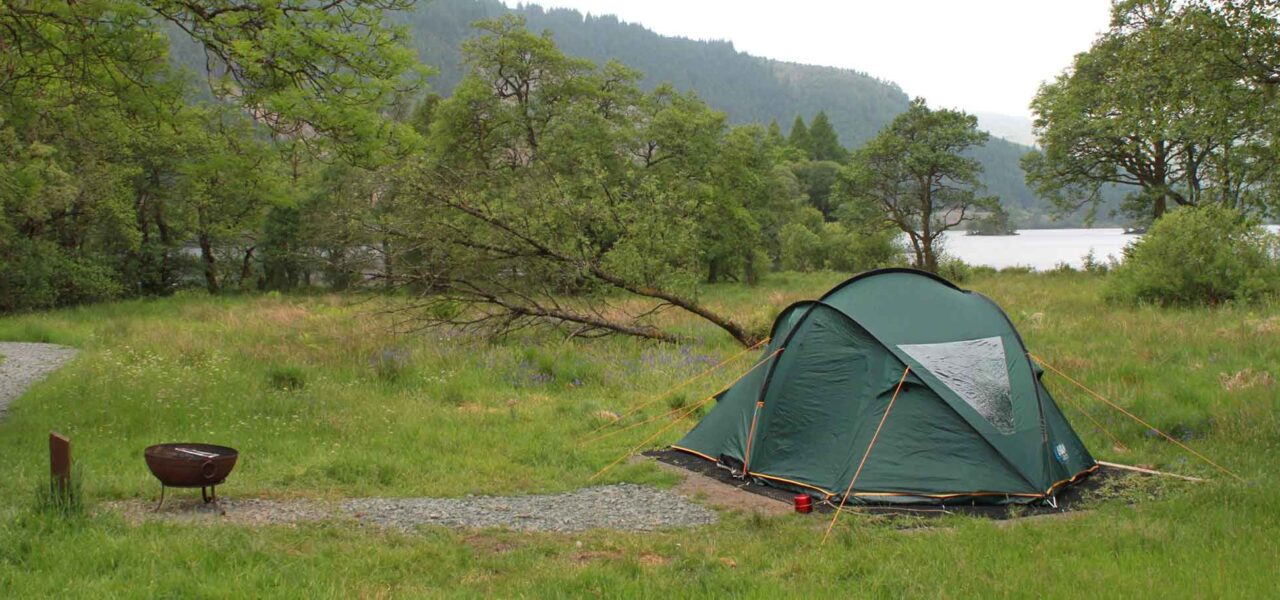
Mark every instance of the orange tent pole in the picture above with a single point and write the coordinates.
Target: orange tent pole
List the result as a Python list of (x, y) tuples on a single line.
[(858, 471), (751, 434)]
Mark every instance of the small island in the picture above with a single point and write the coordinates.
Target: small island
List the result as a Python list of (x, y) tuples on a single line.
[(995, 222)]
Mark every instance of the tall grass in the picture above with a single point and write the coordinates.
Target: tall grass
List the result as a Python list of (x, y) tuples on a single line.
[(63, 499)]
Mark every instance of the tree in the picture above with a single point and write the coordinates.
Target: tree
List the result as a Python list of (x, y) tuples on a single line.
[(916, 172), (752, 199), (818, 179), (227, 183), (555, 185), (823, 143), (1250, 39), (799, 136), (774, 133), (108, 167), (323, 70), (1156, 105), (71, 120)]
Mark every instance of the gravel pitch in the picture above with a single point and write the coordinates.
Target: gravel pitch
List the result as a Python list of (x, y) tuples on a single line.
[(25, 364), (622, 506)]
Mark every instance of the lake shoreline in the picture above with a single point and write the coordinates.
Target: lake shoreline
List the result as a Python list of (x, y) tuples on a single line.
[(1042, 249)]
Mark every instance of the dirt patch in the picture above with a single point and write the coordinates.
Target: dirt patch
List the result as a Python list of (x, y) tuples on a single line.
[(1245, 379), (723, 495), (596, 555), (246, 511), (1268, 325), (489, 544), (646, 559), (478, 409), (653, 560)]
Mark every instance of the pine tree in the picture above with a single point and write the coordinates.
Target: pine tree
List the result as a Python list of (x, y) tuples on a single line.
[(823, 143), (774, 134), (799, 137)]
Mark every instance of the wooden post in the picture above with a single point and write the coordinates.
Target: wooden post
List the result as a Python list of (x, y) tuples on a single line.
[(60, 460)]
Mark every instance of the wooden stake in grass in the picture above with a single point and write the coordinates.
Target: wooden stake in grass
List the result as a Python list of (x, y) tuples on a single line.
[(61, 496), (1149, 471), (59, 462)]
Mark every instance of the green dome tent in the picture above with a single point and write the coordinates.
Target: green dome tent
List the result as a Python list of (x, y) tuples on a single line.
[(971, 421)]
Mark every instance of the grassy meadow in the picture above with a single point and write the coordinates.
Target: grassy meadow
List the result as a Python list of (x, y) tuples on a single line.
[(325, 400)]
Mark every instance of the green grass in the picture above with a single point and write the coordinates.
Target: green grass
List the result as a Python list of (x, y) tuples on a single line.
[(324, 401)]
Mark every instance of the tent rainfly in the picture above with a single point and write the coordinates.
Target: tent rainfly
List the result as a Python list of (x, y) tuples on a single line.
[(970, 421)]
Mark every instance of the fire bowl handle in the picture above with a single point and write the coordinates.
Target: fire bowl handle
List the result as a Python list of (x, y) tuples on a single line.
[(208, 469)]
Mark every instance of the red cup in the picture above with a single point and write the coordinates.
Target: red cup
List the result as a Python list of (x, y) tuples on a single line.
[(804, 503)]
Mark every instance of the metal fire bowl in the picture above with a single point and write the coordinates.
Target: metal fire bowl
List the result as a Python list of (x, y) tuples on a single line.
[(175, 468)]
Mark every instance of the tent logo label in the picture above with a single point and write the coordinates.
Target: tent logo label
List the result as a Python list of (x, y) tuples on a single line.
[(1060, 451)]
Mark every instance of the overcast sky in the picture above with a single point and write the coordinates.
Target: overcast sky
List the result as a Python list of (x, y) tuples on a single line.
[(978, 55)]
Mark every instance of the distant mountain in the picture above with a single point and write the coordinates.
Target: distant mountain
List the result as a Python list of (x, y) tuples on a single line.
[(1010, 127)]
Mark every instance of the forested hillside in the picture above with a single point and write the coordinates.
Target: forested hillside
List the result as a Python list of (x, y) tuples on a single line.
[(745, 87)]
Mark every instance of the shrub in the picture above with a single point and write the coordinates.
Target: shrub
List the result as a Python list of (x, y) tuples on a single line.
[(853, 250), (288, 378), (1205, 255), (981, 271), (1090, 263), (42, 275), (953, 269), (1023, 269), (801, 248), (838, 248)]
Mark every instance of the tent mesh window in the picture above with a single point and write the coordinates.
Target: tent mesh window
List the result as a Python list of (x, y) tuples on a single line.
[(976, 371)]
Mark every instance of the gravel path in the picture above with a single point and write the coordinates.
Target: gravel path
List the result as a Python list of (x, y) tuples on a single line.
[(622, 506), (24, 364)]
